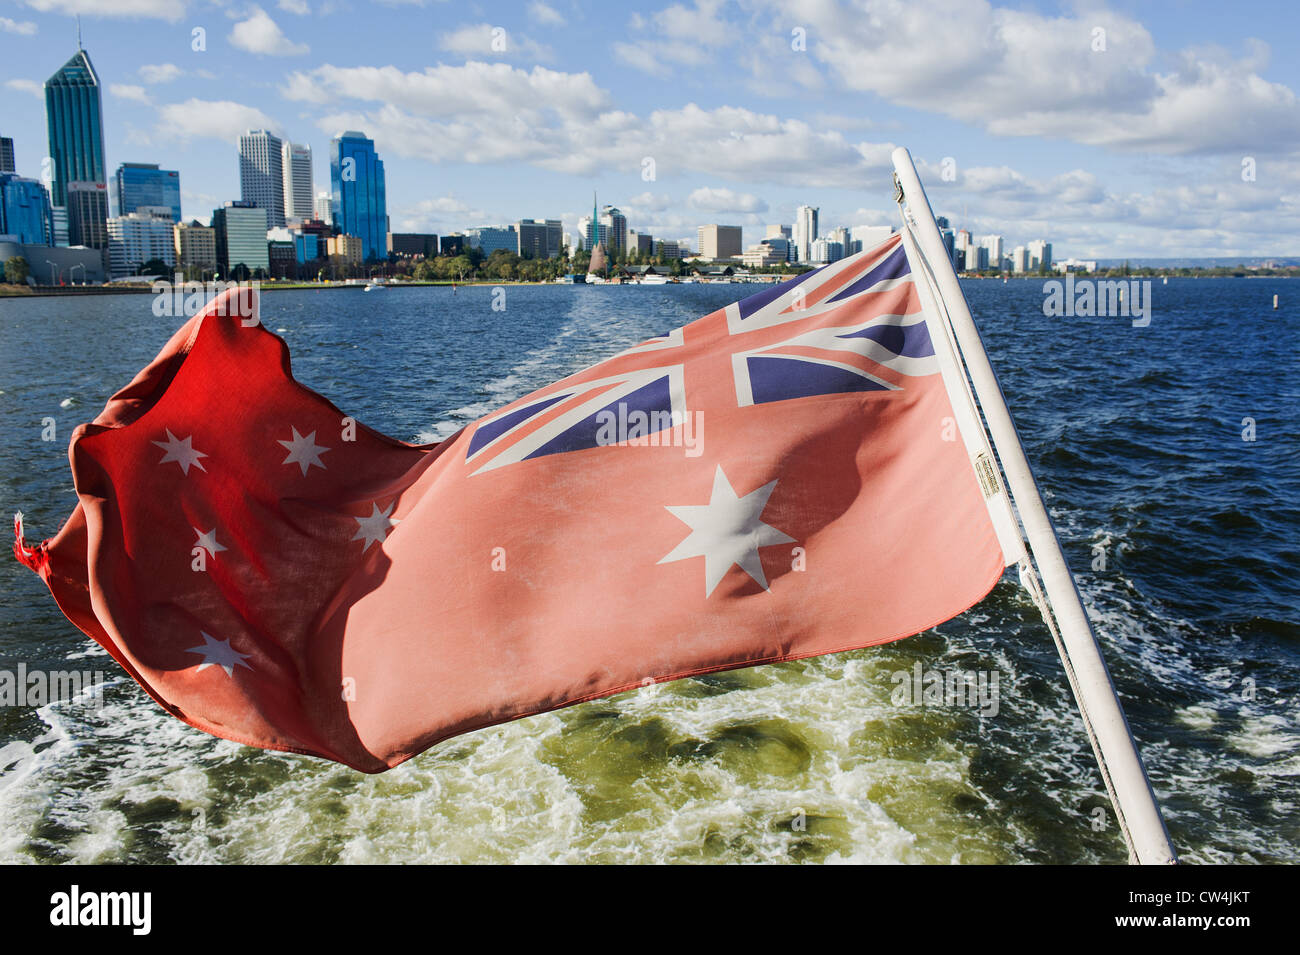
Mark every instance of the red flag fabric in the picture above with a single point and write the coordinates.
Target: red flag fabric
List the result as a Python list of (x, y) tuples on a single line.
[(767, 483)]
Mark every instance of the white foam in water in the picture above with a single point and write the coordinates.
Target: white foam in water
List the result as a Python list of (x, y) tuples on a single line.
[(1264, 736), (701, 770)]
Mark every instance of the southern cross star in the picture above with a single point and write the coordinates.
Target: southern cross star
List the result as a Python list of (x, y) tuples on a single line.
[(375, 528), (182, 452), (728, 530), (219, 653), (208, 541), (304, 451)]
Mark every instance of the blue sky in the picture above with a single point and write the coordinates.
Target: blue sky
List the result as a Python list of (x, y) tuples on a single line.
[(1111, 129)]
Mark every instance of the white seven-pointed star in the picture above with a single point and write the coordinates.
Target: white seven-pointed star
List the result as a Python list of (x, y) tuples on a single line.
[(375, 528), (208, 541), (728, 530), (304, 451), (182, 452), (219, 653)]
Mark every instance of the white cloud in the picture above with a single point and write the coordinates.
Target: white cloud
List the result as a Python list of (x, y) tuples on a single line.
[(21, 27), (1021, 73), (127, 91), (688, 36), (299, 7), (171, 10), (492, 90), (1194, 211), (496, 113), (725, 200), (486, 40), (209, 119), (648, 202), (545, 14), (442, 214), (26, 86), (1010, 71), (160, 72), (260, 34)]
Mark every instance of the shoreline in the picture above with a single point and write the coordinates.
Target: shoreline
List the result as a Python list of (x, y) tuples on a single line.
[(42, 291)]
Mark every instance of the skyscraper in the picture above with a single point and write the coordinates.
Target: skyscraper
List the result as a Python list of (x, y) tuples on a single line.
[(137, 185), (298, 195), (239, 231), (805, 231), (25, 210), (7, 155), (359, 199), (261, 174), (993, 243), (74, 115), (615, 224), (1040, 254), (719, 241), (866, 237), (88, 216), (539, 238), (324, 208)]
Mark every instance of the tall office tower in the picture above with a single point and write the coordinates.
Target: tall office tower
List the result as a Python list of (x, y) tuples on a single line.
[(74, 115), (804, 232), (640, 243), (7, 155), (538, 238), (615, 224), (719, 241), (324, 207), (359, 198), (261, 174), (137, 185), (88, 216), (868, 236), (949, 240), (993, 243), (25, 210), (298, 195), (586, 235), (1040, 254), (239, 233), (778, 232)]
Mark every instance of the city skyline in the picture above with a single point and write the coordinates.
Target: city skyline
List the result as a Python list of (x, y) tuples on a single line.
[(276, 179), (481, 123)]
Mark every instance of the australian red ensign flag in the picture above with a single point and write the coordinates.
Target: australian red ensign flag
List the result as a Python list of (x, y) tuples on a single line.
[(775, 480)]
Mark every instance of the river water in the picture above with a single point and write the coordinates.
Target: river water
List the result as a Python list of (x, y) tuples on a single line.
[(1184, 536)]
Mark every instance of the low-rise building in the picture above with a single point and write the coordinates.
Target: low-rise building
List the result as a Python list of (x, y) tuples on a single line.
[(195, 245), (348, 248), (146, 235)]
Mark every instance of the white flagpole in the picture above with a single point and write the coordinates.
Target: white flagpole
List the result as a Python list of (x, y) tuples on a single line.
[(1117, 755)]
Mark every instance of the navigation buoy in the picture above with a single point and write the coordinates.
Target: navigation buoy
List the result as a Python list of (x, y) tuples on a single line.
[(1275, 303)]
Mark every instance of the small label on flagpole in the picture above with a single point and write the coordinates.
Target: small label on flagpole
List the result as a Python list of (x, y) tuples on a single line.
[(988, 475)]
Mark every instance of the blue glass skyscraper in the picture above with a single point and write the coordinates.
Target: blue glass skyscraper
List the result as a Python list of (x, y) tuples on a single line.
[(359, 202), (75, 116), (137, 185), (25, 210)]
